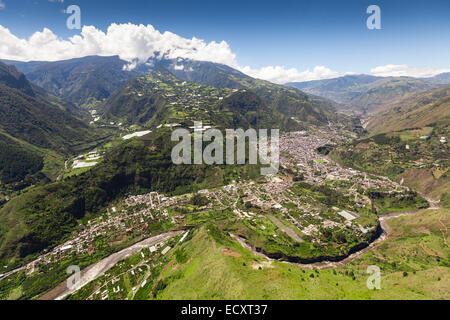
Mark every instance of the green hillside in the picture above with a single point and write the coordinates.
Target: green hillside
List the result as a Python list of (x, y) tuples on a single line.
[(402, 155), (408, 142), (286, 100), (37, 132), (38, 123), (386, 90), (10, 77), (160, 98), (16, 161), (413, 111), (209, 263)]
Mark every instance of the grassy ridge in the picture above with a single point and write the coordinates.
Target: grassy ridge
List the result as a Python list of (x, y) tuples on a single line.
[(414, 264), (288, 101)]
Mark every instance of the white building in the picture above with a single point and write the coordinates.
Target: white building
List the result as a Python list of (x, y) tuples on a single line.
[(347, 215)]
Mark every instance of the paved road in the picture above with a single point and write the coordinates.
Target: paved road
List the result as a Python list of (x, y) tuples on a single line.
[(98, 269)]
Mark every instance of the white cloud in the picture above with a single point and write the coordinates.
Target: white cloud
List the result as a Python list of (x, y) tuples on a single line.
[(138, 43), (134, 43), (282, 75), (2, 5), (391, 70)]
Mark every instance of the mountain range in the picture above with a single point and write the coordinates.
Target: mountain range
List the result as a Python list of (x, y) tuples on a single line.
[(78, 80), (366, 92), (88, 80)]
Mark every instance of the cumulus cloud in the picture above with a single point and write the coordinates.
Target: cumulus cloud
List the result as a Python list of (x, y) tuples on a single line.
[(391, 70), (283, 75), (2, 5), (133, 43), (136, 44)]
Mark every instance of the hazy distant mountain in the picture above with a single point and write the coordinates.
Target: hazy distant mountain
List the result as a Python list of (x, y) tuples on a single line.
[(365, 92), (209, 73), (440, 78), (336, 84), (24, 67), (389, 89)]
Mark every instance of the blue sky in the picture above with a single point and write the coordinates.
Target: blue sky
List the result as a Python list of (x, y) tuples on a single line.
[(293, 34)]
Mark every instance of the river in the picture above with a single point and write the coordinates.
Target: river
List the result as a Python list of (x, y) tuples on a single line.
[(98, 269)]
